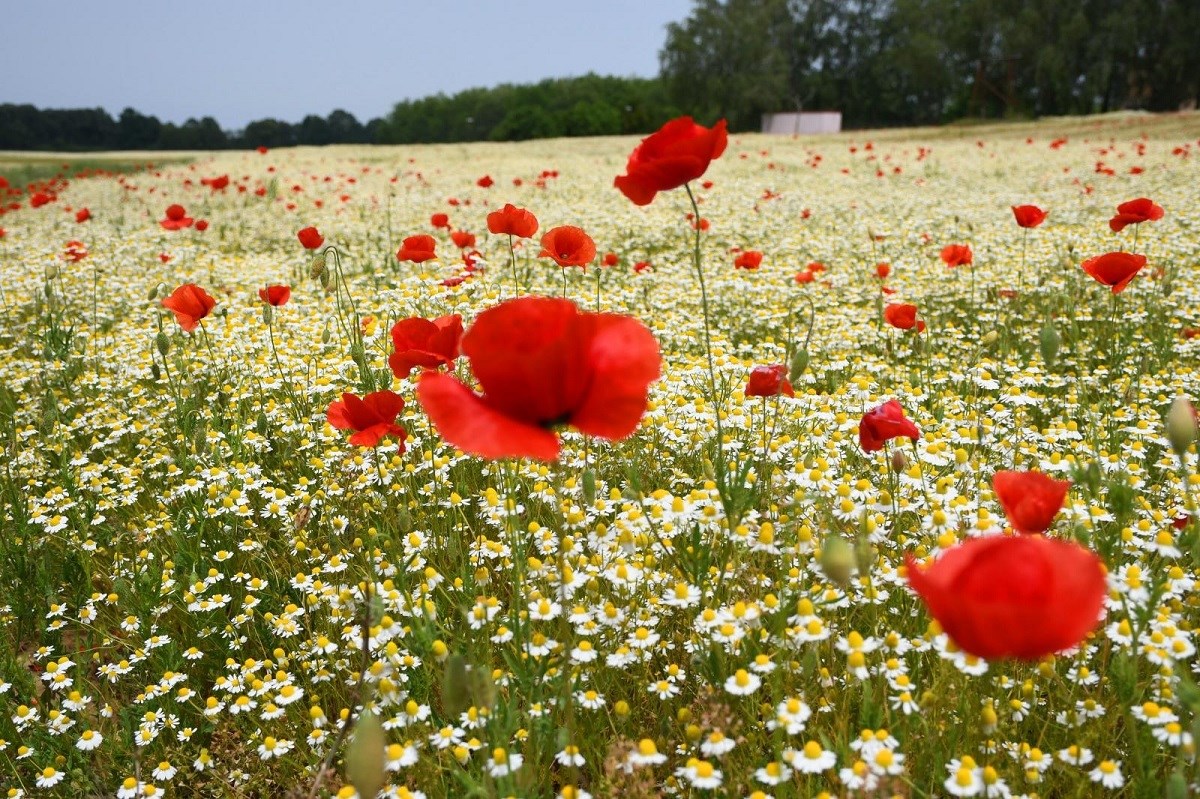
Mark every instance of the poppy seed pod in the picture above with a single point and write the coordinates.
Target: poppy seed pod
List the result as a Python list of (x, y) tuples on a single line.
[(798, 364)]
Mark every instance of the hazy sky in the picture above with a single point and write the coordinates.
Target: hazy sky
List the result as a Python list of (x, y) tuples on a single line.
[(239, 60)]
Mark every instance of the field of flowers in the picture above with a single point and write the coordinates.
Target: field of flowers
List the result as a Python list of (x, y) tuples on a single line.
[(262, 536)]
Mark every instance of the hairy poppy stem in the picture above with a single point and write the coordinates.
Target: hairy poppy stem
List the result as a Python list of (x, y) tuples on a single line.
[(719, 464)]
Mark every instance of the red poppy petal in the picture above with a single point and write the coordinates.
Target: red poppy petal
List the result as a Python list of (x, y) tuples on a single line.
[(625, 361), (465, 420)]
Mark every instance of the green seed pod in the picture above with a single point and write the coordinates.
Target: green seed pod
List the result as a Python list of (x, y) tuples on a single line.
[(366, 755), (1049, 341), (162, 343)]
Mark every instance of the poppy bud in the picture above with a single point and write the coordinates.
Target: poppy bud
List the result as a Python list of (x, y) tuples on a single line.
[(316, 267), (1181, 425), (366, 755), (325, 336), (798, 365), (52, 271), (455, 693), (864, 554), (404, 521), (589, 487), (899, 461), (153, 292), (837, 559), (266, 313), (262, 425), (709, 471), (1177, 786), (155, 372), (990, 338), (1049, 341), (162, 343)]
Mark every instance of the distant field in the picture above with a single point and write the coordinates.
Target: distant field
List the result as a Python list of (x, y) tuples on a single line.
[(205, 586)]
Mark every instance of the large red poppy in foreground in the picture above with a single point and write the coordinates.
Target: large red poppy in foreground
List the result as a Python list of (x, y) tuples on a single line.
[(541, 363)]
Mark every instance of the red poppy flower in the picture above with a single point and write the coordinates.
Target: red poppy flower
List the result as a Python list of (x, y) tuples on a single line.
[(372, 418), (485, 182), (261, 150), (83, 215), (310, 238), (512, 220), (957, 254), (749, 259), (542, 362), (417, 249), (440, 221), (903, 316), (462, 239), (882, 271), (421, 342), (568, 246), (883, 424), (805, 277), (275, 295), (216, 184), (1021, 597), (176, 219), (190, 304), (1028, 215), (678, 152), (1135, 212), (610, 259), (642, 266), (1030, 500), (769, 381), (40, 198), (1115, 269), (201, 225), (75, 252)]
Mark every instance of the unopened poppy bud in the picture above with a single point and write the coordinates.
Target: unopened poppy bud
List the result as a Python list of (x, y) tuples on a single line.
[(325, 336), (316, 268), (162, 343), (366, 755), (709, 471), (798, 365), (266, 313), (455, 690), (837, 559), (1049, 341), (990, 338), (155, 372), (153, 292), (52, 271), (864, 555), (899, 461), (589, 486), (1181, 425), (1177, 786)]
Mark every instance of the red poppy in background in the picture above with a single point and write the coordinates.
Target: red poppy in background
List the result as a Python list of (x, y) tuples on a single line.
[(440, 221), (216, 184), (1114, 269), (1135, 212), (903, 316), (807, 276), (275, 295), (176, 219), (678, 152), (957, 255), (748, 259), (462, 239), (610, 259), (372, 418), (421, 342), (882, 271), (1028, 215), (190, 304), (75, 252), (485, 182), (769, 381), (542, 363), (642, 266), (40, 198), (261, 150), (417, 249), (512, 220), (83, 215), (884, 423), (568, 246), (201, 225), (1030, 500), (1021, 597), (310, 238)]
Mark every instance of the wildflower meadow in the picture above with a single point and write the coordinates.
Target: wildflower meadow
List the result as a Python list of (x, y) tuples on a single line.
[(709, 464)]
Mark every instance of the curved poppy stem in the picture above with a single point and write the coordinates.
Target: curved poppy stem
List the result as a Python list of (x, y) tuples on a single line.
[(719, 464), (512, 253)]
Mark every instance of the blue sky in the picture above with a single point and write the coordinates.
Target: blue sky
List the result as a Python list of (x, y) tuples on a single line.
[(238, 61)]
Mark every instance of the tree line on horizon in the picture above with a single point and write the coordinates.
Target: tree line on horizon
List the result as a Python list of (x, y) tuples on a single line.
[(879, 62)]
